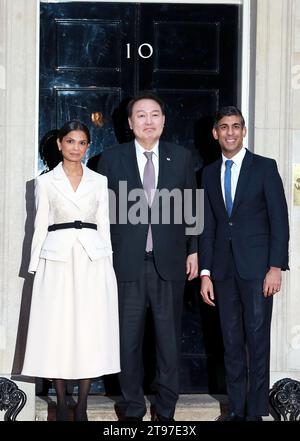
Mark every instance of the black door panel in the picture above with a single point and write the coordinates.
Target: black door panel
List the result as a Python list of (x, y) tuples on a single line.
[(84, 72)]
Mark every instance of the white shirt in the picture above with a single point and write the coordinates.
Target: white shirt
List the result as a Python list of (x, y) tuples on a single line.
[(235, 173), (142, 160)]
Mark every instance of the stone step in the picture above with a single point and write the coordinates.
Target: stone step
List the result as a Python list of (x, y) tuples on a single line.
[(196, 407)]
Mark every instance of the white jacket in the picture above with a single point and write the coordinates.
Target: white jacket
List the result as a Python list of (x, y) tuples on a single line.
[(57, 202)]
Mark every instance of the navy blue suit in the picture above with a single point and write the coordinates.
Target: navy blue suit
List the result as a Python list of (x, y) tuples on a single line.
[(239, 250)]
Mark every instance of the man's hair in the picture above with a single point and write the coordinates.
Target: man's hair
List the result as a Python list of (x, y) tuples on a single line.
[(228, 111), (145, 95)]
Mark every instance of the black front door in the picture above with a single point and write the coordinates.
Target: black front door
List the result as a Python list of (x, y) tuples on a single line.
[(94, 56)]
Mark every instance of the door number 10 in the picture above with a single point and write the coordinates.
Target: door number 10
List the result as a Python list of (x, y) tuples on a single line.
[(145, 50)]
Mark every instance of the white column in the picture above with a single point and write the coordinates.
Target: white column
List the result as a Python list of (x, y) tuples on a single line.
[(277, 135), (18, 81)]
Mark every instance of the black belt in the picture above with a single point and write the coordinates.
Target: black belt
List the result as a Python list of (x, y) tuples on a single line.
[(76, 224)]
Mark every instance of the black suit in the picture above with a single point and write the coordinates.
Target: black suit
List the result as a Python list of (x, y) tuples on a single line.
[(239, 251), (157, 282)]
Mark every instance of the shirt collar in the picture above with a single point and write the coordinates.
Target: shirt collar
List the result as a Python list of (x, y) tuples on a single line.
[(139, 149), (237, 159)]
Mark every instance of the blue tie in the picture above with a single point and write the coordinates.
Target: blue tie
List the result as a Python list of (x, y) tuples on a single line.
[(227, 185)]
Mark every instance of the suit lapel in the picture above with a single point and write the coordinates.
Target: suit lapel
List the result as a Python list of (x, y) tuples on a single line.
[(243, 180), (165, 157), (164, 161), (217, 190), (86, 185), (129, 162), (63, 185), (130, 165)]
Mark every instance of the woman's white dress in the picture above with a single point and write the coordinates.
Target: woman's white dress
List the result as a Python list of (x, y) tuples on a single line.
[(73, 328)]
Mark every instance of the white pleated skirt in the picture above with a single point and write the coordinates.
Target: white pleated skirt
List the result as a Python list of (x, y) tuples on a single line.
[(73, 327)]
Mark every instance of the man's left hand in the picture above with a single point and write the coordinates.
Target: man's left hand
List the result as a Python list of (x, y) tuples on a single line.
[(272, 282), (192, 266)]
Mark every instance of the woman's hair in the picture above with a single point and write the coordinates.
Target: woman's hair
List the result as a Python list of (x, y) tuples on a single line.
[(73, 125), (49, 153)]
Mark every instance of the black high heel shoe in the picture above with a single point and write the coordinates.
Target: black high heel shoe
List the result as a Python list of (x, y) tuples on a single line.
[(62, 413), (80, 414)]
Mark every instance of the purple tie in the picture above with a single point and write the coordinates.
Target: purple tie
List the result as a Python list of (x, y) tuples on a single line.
[(149, 185)]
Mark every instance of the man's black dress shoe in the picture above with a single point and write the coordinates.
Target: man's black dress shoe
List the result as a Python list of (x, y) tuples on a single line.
[(132, 418), (158, 417), (231, 417), (254, 418)]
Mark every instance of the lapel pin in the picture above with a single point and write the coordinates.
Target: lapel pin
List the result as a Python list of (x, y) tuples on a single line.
[(168, 159)]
